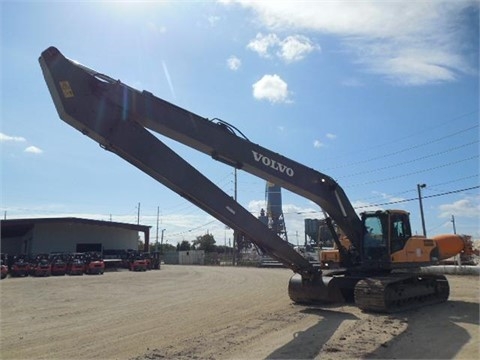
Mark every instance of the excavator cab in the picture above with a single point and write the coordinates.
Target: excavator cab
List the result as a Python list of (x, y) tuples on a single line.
[(386, 232)]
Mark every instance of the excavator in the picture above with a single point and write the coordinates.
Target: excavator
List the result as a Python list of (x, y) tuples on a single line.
[(380, 262)]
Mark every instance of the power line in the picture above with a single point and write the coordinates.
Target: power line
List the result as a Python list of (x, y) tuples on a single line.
[(414, 147), (429, 187), (416, 133), (416, 198), (391, 202), (411, 161), (192, 229), (415, 172)]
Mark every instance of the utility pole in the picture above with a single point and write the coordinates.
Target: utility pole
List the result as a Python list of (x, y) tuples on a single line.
[(419, 187), (161, 241), (138, 214), (453, 222), (235, 232), (158, 216)]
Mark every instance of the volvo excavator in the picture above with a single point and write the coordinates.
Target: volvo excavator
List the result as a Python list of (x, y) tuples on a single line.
[(380, 259)]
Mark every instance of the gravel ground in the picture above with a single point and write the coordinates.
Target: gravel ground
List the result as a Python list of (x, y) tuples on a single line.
[(196, 312)]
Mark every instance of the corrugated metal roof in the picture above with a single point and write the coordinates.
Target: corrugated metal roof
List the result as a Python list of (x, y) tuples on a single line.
[(19, 227)]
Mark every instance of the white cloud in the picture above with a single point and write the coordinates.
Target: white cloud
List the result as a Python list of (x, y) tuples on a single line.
[(262, 43), (361, 206), (410, 43), (8, 138), (468, 207), (295, 48), (234, 63), (388, 197), (292, 48), (318, 144), (416, 66), (271, 88), (254, 206), (33, 150)]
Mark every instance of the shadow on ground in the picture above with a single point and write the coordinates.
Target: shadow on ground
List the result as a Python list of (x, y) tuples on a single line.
[(307, 344), (433, 332)]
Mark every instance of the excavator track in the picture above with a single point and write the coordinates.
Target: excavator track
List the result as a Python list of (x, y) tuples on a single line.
[(399, 292)]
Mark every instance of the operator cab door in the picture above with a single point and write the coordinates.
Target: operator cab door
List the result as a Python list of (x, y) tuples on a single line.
[(400, 231), (375, 244)]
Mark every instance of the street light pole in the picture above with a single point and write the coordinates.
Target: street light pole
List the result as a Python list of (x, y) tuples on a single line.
[(419, 187), (161, 239), (454, 227)]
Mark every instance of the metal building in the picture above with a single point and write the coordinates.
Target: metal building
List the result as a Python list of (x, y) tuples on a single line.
[(47, 235)]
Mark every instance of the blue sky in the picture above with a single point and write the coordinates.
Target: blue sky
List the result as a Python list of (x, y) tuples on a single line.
[(381, 96)]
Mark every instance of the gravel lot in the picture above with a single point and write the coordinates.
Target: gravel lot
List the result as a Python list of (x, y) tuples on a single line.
[(196, 312)]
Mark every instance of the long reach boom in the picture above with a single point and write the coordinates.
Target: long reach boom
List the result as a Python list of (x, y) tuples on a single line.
[(117, 116)]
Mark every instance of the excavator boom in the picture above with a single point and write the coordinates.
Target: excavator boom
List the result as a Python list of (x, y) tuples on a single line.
[(72, 84), (94, 104)]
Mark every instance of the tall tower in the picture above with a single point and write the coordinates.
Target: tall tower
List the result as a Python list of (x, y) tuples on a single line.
[(274, 215)]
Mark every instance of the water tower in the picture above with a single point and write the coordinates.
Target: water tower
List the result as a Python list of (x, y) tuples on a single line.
[(274, 215)]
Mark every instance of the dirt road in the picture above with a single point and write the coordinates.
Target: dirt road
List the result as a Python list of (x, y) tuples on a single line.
[(187, 312)]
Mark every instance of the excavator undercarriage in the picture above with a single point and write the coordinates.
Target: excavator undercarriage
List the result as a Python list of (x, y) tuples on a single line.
[(399, 292), (387, 293)]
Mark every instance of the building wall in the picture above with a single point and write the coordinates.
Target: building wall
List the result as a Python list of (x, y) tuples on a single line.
[(64, 237), (191, 257)]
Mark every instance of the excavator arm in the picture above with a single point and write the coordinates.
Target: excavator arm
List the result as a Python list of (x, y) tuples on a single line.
[(118, 116)]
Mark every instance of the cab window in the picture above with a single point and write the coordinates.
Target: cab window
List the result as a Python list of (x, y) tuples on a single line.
[(374, 228)]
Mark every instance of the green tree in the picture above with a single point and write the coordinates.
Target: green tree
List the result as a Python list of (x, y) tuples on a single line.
[(184, 246), (205, 242), (164, 248)]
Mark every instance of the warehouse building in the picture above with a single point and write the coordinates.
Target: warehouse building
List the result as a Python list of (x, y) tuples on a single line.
[(47, 235)]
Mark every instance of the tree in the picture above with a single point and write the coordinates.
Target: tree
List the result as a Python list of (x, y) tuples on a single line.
[(205, 242), (184, 246), (163, 248)]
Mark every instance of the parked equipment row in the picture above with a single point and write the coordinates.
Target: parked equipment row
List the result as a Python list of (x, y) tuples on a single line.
[(76, 263), (52, 264)]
